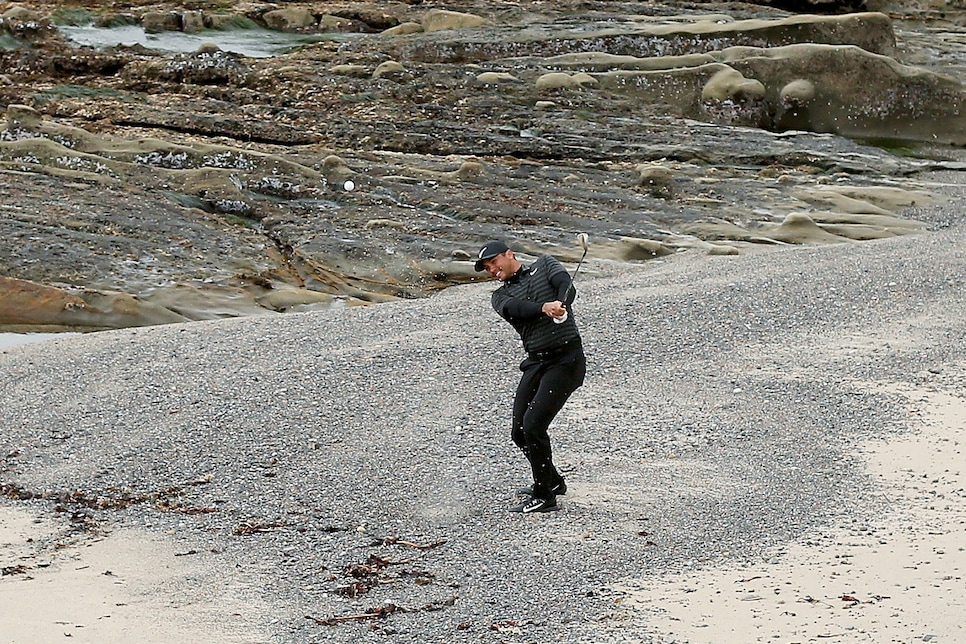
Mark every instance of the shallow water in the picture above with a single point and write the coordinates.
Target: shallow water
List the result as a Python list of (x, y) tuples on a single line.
[(15, 339), (941, 50), (254, 43)]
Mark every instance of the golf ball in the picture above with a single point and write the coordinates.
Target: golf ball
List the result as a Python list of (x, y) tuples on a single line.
[(349, 186)]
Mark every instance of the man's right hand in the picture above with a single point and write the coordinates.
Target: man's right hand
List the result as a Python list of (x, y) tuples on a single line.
[(554, 309)]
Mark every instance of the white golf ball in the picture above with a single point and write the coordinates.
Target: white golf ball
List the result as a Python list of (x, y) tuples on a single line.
[(349, 186)]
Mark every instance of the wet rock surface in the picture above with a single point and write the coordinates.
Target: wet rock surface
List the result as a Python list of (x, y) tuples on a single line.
[(212, 184)]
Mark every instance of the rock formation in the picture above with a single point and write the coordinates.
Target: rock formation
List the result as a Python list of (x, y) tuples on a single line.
[(194, 185)]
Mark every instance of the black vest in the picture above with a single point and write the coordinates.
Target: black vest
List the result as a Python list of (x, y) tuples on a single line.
[(538, 332)]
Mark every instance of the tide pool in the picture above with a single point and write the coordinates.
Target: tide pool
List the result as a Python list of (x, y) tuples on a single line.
[(15, 339), (254, 43)]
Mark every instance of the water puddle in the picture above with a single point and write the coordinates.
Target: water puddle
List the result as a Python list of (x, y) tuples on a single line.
[(253, 43), (15, 339)]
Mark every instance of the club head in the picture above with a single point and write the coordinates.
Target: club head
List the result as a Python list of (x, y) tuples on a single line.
[(584, 240)]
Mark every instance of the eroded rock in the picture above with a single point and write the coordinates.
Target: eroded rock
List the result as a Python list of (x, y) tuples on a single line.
[(205, 67), (289, 19), (870, 31), (840, 89), (26, 304), (210, 184), (656, 180), (442, 19), (857, 93), (155, 22)]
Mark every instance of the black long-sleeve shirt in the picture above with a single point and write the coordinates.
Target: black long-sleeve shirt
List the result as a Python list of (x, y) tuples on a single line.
[(520, 302)]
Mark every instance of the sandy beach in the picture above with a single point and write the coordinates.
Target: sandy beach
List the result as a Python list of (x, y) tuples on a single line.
[(113, 588), (899, 581), (769, 449)]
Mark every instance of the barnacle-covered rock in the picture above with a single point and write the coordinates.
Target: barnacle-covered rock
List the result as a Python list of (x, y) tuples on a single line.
[(204, 67)]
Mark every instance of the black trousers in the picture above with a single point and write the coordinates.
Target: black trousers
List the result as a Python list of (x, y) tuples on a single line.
[(544, 388)]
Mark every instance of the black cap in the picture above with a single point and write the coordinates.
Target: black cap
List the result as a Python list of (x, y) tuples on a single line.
[(490, 250)]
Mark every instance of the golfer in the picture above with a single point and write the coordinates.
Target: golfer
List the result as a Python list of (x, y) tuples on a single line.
[(531, 299)]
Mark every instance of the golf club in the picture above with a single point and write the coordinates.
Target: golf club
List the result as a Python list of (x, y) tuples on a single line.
[(584, 240)]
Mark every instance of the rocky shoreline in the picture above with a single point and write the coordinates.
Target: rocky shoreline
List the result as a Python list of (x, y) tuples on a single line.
[(147, 187)]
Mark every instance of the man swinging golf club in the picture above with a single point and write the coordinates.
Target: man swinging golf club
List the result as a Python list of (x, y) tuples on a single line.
[(536, 301)]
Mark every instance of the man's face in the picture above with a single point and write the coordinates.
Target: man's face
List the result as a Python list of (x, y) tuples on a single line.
[(501, 267)]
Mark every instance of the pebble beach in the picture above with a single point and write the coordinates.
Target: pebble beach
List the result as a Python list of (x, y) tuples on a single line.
[(768, 447)]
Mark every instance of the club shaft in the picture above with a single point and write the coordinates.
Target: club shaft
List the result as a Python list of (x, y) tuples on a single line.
[(574, 276)]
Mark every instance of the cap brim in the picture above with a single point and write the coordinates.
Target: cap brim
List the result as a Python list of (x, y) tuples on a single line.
[(479, 263)]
